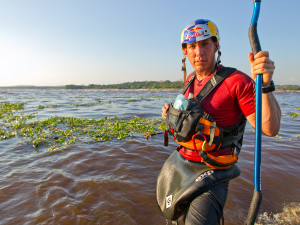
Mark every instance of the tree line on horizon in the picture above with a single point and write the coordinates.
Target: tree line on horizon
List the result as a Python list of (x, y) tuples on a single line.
[(155, 85), (132, 85), (159, 85)]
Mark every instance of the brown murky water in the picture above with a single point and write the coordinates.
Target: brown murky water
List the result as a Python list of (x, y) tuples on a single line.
[(114, 182)]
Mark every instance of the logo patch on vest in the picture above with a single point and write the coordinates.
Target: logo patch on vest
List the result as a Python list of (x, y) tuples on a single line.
[(168, 201)]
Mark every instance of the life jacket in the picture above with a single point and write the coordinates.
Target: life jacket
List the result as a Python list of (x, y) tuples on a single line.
[(196, 130)]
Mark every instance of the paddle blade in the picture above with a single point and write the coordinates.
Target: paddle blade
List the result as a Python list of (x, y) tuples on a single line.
[(254, 207)]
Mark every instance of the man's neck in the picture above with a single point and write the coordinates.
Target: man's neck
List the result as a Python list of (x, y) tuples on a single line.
[(202, 74)]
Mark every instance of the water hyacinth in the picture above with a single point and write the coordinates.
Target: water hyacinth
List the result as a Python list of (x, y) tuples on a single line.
[(59, 132)]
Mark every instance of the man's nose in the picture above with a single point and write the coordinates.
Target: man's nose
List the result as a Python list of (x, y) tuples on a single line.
[(198, 49)]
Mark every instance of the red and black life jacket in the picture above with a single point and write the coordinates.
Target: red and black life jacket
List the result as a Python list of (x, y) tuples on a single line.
[(196, 130)]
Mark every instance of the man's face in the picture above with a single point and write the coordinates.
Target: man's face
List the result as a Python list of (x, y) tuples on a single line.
[(201, 55)]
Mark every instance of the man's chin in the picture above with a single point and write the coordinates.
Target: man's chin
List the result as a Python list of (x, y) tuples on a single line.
[(201, 67), (205, 70)]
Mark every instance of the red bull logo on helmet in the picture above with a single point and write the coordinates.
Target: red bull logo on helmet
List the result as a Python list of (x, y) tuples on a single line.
[(196, 34), (194, 29)]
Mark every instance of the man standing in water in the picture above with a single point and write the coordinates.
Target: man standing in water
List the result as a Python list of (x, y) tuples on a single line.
[(232, 100)]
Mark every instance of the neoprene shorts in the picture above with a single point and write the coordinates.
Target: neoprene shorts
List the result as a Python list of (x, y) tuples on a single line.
[(207, 208)]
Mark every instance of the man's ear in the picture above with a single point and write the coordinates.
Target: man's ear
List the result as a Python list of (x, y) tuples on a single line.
[(216, 46), (185, 50)]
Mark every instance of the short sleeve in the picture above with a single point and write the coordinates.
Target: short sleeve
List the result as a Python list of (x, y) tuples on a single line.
[(243, 89)]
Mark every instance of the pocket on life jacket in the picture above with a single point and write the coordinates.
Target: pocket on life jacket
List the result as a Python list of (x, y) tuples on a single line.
[(181, 124)]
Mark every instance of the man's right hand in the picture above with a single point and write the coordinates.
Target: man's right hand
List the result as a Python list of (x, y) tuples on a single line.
[(164, 110)]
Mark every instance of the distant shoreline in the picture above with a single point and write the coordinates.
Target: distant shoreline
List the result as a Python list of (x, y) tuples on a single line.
[(131, 86), (107, 89)]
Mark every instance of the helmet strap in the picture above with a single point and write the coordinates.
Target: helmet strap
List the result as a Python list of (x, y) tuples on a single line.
[(183, 68), (218, 61)]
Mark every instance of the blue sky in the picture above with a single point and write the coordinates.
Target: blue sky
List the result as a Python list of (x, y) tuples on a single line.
[(59, 42)]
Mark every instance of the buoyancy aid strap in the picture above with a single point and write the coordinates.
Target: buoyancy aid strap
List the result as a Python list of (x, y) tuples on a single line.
[(189, 82), (199, 128), (212, 132), (214, 81), (208, 117)]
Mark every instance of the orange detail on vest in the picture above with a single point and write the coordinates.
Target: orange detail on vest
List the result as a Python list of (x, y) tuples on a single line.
[(226, 158), (206, 129), (196, 144), (222, 159)]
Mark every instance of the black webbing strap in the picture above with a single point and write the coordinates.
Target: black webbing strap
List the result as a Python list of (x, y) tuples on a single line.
[(214, 81), (189, 82)]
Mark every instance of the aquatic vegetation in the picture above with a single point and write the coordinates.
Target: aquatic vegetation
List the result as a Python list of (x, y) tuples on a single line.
[(293, 114), (59, 132), (47, 106), (40, 107), (123, 99), (6, 107), (98, 102)]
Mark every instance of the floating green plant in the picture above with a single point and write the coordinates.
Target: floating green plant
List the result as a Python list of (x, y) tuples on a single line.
[(293, 114), (7, 107), (40, 107), (59, 132)]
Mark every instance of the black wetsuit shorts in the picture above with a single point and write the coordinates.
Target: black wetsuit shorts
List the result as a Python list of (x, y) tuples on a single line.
[(207, 208)]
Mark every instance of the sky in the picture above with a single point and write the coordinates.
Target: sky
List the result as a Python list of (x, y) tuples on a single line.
[(82, 42)]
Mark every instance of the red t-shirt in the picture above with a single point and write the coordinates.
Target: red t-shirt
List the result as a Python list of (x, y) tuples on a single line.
[(227, 103)]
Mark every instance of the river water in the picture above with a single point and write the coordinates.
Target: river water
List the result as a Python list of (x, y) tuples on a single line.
[(114, 182)]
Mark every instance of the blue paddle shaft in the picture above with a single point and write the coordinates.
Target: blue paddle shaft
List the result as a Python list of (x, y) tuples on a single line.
[(255, 45)]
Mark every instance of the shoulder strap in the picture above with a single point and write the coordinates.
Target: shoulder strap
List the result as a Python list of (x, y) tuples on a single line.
[(214, 81), (189, 83)]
